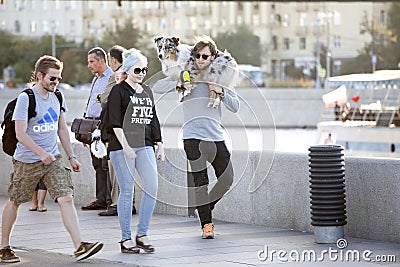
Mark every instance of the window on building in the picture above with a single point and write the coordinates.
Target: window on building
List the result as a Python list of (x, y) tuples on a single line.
[(148, 26), (31, 5), (239, 20), (286, 43), (223, 22), (256, 6), (274, 42), (336, 41), (17, 26), (256, 20), (17, 5), (44, 5), (207, 24), (382, 17), (177, 23), (302, 43), (240, 6), (337, 18), (72, 26), (193, 22), (45, 26), (33, 27), (285, 20), (162, 24), (103, 5), (303, 19)]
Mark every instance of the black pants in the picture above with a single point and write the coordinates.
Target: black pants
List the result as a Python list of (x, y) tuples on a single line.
[(198, 152), (103, 182)]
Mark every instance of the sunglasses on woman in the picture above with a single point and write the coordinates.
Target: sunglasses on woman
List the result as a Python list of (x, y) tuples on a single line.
[(139, 70), (203, 56)]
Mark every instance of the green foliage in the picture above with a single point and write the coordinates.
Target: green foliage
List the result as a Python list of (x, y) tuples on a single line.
[(292, 72), (243, 45)]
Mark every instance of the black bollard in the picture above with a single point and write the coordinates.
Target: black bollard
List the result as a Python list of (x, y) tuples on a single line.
[(328, 204)]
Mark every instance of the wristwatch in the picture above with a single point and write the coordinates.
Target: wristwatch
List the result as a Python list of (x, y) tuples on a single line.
[(72, 156)]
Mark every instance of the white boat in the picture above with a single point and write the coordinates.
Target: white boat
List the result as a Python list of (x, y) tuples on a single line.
[(363, 114)]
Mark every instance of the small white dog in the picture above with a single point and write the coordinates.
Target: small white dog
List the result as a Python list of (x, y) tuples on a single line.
[(97, 146)]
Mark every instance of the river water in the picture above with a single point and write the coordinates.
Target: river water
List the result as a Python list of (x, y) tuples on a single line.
[(252, 139)]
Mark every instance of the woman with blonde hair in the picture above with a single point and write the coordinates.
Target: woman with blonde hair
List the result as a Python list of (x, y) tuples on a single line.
[(135, 143)]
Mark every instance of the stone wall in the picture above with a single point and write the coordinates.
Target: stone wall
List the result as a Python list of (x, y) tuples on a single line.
[(270, 189)]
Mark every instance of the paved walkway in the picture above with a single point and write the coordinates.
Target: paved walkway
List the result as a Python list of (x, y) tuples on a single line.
[(178, 243)]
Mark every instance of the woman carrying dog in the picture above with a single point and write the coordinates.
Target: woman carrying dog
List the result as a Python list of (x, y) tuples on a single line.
[(135, 131)]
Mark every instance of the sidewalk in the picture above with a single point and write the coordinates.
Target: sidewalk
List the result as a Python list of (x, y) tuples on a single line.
[(178, 243)]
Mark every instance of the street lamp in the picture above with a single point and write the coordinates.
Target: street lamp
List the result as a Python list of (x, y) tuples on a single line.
[(317, 78), (53, 38)]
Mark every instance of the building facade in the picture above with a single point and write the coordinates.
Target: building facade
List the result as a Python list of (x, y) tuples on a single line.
[(289, 32)]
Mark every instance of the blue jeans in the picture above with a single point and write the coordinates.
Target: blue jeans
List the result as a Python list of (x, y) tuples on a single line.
[(145, 164)]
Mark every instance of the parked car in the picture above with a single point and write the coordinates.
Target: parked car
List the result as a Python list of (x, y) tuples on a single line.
[(2, 84), (64, 86), (83, 86)]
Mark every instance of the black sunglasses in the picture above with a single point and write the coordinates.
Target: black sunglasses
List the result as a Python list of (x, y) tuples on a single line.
[(53, 78), (203, 56), (139, 70)]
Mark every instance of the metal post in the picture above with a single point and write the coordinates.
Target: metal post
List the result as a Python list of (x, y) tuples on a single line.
[(328, 53), (53, 38), (317, 80)]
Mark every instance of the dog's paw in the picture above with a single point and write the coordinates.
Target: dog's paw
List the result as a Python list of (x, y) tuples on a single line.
[(216, 103), (180, 97)]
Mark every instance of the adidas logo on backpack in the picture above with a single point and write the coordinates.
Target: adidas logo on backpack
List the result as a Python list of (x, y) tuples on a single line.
[(9, 138)]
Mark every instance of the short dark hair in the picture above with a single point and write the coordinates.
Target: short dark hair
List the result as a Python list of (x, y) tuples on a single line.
[(204, 41), (116, 52), (43, 64), (99, 53)]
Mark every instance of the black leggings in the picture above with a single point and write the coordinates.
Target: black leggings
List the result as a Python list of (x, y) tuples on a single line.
[(198, 152)]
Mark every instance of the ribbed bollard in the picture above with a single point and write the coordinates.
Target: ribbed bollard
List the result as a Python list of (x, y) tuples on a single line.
[(328, 204)]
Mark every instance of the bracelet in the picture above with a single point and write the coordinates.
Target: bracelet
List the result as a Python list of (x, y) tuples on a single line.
[(72, 156)]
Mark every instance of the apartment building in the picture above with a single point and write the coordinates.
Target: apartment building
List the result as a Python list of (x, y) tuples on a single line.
[(289, 31)]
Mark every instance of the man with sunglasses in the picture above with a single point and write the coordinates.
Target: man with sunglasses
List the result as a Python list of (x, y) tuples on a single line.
[(98, 65), (203, 134), (37, 157)]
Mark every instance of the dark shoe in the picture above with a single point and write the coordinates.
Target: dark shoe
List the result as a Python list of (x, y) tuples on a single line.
[(7, 255), (129, 250), (142, 241), (95, 206), (86, 250), (133, 210), (111, 211)]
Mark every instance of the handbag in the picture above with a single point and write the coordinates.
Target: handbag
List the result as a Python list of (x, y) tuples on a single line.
[(84, 128)]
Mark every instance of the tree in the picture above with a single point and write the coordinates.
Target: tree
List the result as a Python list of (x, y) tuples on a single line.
[(7, 55), (130, 36), (243, 45), (391, 51)]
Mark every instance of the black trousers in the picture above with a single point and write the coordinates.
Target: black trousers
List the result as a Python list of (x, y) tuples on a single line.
[(198, 153), (103, 182)]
